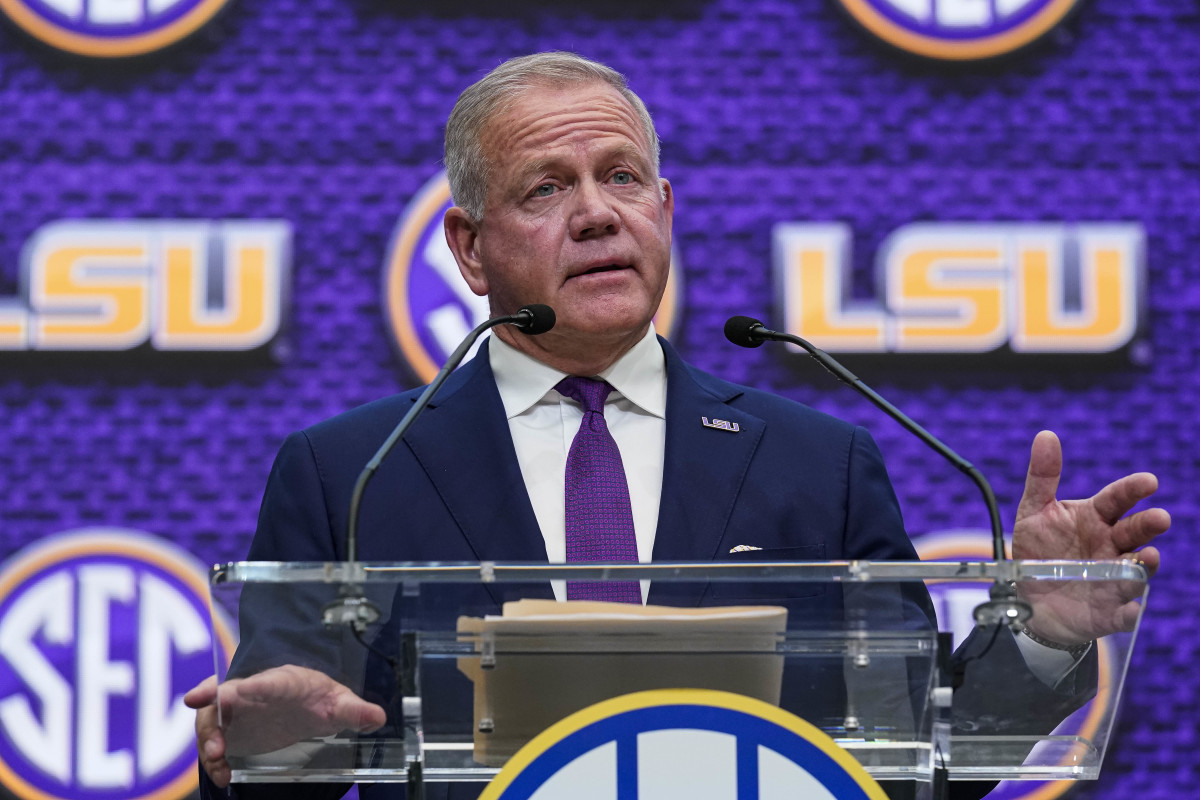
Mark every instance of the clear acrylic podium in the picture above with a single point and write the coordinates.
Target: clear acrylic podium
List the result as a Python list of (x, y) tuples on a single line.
[(851, 647)]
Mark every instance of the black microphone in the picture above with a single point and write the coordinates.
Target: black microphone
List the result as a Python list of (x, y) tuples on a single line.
[(532, 319), (1004, 606), (352, 607)]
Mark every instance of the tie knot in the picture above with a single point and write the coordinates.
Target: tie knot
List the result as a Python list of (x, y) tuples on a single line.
[(588, 392)]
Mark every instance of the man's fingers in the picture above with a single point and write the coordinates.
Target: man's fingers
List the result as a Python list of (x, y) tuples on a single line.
[(1150, 558), (1114, 501), (210, 740), (220, 775), (210, 743), (218, 772), (212, 747), (1045, 469), (1127, 616), (1138, 530), (202, 694)]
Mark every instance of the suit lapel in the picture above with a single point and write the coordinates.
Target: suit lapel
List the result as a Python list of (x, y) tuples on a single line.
[(703, 471), (463, 444)]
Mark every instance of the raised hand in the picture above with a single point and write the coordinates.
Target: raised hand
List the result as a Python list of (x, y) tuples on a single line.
[(1093, 529)]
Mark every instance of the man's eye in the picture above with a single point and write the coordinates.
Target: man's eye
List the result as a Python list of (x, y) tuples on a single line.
[(545, 190), (622, 178)]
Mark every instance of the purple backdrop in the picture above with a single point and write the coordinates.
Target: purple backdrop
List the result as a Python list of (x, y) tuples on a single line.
[(329, 113)]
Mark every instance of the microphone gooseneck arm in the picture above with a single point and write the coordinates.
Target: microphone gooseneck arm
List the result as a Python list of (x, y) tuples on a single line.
[(1003, 606), (532, 320), (353, 608), (749, 332)]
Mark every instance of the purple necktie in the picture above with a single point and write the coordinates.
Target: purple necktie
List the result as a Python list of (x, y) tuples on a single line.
[(599, 514)]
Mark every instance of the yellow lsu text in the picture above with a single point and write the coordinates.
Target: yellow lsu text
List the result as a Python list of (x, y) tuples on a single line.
[(181, 285), (966, 288)]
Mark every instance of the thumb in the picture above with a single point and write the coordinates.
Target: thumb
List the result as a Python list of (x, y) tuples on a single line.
[(1045, 470), (371, 719), (357, 714)]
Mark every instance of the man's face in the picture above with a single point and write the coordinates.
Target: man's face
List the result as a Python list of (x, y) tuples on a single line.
[(575, 217)]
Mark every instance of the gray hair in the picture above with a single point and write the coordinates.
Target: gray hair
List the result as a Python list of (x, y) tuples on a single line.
[(467, 166)]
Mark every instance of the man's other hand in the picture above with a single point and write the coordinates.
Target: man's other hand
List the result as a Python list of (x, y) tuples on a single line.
[(272, 710), (1093, 529)]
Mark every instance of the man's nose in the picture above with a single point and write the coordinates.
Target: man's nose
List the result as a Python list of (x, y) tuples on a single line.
[(592, 212)]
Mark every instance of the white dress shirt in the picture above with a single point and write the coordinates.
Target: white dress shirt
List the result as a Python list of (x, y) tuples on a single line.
[(543, 424)]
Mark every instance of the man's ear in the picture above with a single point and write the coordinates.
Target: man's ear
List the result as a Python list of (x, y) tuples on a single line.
[(668, 197), (462, 236)]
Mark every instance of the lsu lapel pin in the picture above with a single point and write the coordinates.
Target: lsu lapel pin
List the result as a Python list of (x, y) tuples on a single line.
[(720, 424)]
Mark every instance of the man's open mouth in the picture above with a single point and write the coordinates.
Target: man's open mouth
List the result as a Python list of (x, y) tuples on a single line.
[(604, 268)]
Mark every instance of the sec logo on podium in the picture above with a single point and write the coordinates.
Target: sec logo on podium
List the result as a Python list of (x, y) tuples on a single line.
[(111, 28), (698, 744)]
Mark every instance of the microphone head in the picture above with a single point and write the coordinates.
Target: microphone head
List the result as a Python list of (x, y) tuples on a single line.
[(743, 331), (536, 318)]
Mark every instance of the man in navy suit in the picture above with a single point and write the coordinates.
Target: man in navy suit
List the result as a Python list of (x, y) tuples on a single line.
[(553, 164)]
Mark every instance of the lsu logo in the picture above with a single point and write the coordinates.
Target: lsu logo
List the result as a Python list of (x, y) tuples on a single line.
[(111, 28), (955, 602), (430, 308), (699, 744), (958, 30), (101, 633), (107, 285), (967, 288)]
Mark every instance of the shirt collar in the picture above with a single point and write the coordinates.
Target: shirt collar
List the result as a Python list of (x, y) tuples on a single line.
[(640, 376)]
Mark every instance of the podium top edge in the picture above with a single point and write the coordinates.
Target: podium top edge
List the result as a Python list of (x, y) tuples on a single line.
[(767, 571)]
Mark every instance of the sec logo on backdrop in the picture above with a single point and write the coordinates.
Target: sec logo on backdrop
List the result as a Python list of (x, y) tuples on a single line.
[(959, 30), (111, 28), (693, 743), (102, 630), (429, 306)]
